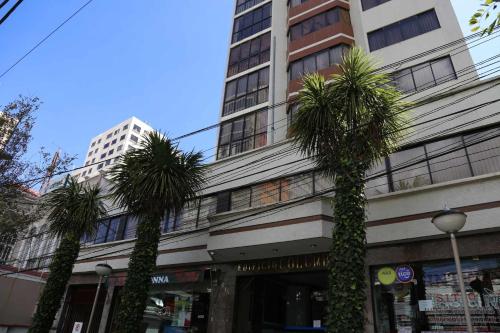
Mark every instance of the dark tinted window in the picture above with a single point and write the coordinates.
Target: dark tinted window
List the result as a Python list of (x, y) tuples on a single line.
[(367, 4), (243, 134), (243, 5), (425, 75), (317, 61), (251, 23), (403, 30), (246, 91), (318, 22), (249, 54)]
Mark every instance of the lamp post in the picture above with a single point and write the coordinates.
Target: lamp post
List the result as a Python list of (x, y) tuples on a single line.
[(452, 221), (102, 270)]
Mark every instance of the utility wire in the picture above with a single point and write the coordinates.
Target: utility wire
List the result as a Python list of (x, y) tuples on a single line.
[(10, 11), (45, 38)]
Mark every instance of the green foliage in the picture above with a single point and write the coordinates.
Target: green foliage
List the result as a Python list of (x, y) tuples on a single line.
[(74, 210), (150, 181), (487, 16), (17, 174), (346, 126), (53, 292)]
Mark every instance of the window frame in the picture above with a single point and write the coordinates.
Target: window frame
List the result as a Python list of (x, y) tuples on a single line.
[(231, 105), (298, 31)]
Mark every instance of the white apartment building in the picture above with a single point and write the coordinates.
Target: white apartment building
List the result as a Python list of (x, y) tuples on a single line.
[(251, 254), (105, 148)]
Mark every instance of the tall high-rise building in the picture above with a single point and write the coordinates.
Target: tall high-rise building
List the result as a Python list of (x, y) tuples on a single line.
[(105, 148), (251, 254), (273, 44)]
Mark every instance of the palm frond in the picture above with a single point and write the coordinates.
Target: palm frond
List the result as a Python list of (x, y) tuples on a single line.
[(157, 177), (75, 208)]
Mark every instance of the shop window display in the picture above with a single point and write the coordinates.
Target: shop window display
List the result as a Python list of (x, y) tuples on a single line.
[(430, 300)]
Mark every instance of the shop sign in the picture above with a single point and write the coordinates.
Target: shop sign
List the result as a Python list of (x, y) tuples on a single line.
[(386, 275), (176, 277), (286, 264), (405, 273)]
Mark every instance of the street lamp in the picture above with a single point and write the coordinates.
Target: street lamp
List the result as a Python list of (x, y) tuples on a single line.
[(452, 221), (102, 270)]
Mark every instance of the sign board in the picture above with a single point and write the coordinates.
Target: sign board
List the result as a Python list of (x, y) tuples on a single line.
[(386, 275), (286, 264), (77, 327), (176, 277), (405, 273), (426, 305)]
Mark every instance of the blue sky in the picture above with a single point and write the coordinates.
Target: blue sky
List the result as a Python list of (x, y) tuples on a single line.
[(120, 58)]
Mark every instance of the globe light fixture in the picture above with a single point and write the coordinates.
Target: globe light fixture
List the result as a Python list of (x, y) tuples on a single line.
[(451, 221), (103, 270)]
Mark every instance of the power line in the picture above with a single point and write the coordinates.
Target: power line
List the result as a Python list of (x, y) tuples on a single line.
[(45, 38), (10, 11), (394, 170)]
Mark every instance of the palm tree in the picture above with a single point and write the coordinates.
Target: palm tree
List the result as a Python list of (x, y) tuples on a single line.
[(74, 211), (346, 125), (152, 181)]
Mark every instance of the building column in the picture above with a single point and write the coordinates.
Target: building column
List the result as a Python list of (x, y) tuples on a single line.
[(107, 307), (222, 301)]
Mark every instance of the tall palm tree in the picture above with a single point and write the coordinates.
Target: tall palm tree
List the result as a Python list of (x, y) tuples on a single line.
[(346, 125), (151, 181), (74, 211)]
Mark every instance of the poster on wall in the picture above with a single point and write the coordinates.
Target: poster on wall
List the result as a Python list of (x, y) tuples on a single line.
[(77, 327)]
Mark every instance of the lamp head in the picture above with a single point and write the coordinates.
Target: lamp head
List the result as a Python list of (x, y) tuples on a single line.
[(103, 269), (449, 220)]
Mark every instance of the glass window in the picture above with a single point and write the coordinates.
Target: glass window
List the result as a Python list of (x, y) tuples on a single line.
[(242, 134), (443, 70), (317, 22), (115, 232), (251, 23), (405, 178), (403, 80), (451, 166), (266, 193), (223, 202), (122, 137), (133, 138), (317, 61), (137, 128), (322, 60), (106, 145), (240, 199), (483, 149), (425, 75), (403, 30), (243, 5), (125, 127), (130, 227), (247, 91), (109, 135), (297, 187), (102, 231), (431, 301), (367, 4), (378, 184), (422, 74), (294, 3)]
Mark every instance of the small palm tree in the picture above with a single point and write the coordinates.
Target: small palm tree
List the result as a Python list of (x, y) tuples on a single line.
[(151, 182), (347, 125), (74, 211)]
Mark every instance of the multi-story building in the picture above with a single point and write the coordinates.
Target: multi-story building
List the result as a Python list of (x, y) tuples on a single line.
[(251, 254), (105, 148)]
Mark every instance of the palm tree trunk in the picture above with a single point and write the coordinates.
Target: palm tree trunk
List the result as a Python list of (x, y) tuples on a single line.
[(347, 282), (141, 266), (53, 292)]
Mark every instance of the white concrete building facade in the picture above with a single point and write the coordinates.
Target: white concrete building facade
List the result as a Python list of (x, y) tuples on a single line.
[(105, 148), (251, 254)]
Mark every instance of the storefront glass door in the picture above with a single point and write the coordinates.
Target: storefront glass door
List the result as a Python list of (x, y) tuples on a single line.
[(281, 303)]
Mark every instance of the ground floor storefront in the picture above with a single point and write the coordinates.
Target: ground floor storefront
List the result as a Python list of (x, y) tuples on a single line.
[(413, 288)]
